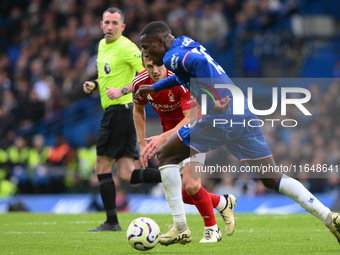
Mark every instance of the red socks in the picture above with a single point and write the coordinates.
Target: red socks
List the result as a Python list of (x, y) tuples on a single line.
[(215, 199), (205, 203)]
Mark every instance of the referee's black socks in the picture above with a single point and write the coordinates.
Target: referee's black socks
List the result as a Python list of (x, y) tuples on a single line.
[(108, 193), (147, 175)]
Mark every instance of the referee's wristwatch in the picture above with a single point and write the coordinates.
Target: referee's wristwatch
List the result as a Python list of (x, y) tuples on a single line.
[(125, 91)]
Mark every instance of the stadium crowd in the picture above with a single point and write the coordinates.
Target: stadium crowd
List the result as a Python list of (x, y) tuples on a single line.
[(47, 49)]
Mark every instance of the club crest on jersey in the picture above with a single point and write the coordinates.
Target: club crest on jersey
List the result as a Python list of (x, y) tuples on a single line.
[(171, 96), (107, 68), (174, 62)]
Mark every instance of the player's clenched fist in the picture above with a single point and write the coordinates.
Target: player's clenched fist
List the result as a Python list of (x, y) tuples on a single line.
[(143, 90), (89, 86)]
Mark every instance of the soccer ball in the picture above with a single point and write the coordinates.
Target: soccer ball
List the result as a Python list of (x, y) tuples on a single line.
[(143, 234)]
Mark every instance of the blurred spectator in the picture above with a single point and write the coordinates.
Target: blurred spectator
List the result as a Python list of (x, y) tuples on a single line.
[(176, 18), (226, 186), (56, 101), (212, 25), (7, 188), (264, 18), (58, 158), (191, 21), (4, 169), (86, 159), (7, 121), (58, 155), (332, 184), (231, 8), (17, 159), (246, 185), (31, 110), (10, 103), (37, 168)]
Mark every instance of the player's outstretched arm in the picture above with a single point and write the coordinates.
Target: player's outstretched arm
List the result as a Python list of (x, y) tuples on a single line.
[(143, 90), (166, 83)]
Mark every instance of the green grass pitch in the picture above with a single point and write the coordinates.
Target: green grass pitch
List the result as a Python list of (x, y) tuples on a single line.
[(29, 233)]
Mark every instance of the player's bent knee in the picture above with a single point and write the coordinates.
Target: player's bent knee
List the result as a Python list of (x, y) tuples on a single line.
[(103, 165), (124, 176), (192, 187)]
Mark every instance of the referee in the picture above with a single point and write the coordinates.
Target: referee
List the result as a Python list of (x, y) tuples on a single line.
[(118, 61)]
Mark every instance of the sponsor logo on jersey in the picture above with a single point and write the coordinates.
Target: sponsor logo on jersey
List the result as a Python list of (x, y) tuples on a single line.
[(166, 107)]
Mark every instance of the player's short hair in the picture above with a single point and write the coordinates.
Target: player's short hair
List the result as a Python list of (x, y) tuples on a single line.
[(114, 10), (156, 28)]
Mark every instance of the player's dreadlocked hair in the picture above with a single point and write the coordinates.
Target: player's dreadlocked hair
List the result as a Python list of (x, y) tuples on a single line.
[(156, 28)]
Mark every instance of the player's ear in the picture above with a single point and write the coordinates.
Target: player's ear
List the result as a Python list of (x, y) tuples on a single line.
[(123, 27), (101, 25)]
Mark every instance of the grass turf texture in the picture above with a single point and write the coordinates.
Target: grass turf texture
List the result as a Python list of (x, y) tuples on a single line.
[(28, 233)]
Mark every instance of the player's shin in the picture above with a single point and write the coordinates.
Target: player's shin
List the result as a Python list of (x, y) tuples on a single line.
[(172, 189), (108, 192), (296, 191), (203, 204)]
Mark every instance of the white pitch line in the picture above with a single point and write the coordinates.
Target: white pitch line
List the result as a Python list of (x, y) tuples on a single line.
[(40, 223), (83, 222)]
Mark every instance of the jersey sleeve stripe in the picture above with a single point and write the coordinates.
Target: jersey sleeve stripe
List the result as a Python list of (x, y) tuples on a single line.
[(138, 79), (141, 77), (184, 89), (183, 62)]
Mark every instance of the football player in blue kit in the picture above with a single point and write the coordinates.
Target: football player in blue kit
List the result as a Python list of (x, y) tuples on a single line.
[(195, 69)]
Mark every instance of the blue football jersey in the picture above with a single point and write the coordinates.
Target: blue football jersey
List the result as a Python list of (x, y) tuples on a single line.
[(195, 69)]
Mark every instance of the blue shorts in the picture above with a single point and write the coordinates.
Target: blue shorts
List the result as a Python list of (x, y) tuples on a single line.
[(243, 141)]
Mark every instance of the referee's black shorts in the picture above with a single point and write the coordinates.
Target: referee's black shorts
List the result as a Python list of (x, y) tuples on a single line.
[(117, 137)]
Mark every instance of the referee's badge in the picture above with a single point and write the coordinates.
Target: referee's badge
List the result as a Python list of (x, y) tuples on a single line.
[(107, 68)]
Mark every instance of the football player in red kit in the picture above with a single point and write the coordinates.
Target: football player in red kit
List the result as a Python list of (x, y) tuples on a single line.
[(176, 108)]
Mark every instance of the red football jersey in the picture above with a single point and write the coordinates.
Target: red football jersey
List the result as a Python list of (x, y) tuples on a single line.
[(169, 104)]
